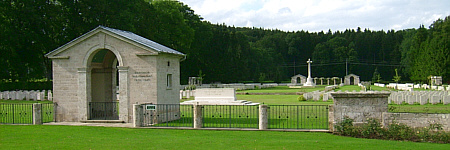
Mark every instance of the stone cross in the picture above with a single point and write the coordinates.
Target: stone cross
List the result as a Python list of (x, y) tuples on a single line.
[(309, 67), (309, 82)]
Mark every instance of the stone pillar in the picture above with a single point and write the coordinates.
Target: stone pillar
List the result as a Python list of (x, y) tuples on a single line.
[(331, 121), (137, 113), (124, 102), (84, 93), (263, 117), (37, 113), (358, 106), (198, 116)]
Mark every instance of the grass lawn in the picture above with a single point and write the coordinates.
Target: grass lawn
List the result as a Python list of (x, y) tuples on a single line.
[(83, 137), (283, 89), (23, 101), (280, 100)]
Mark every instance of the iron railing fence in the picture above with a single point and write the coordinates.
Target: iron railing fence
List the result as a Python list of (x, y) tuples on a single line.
[(23, 113), (298, 116), (48, 112), (103, 110), (167, 115), (230, 116), (16, 113)]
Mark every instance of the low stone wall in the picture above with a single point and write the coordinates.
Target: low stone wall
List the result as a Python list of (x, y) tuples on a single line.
[(417, 119), (361, 106)]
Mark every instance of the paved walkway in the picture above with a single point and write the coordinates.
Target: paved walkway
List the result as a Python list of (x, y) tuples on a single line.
[(127, 125)]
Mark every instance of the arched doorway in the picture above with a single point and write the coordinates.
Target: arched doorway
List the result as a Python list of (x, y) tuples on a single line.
[(103, 104), (299, 80), (352, 80)]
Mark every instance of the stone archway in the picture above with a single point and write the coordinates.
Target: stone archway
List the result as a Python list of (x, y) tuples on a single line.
[(103, 104), (351, 79)]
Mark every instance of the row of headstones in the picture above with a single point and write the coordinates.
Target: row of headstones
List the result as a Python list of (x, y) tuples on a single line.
[(187, 93), (26, 95), (409, 86), (237, 86), (421, 97), (317, 96)]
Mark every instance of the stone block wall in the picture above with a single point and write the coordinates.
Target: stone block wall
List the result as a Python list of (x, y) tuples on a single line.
[(358, 106), (361, 106), (417, 119)]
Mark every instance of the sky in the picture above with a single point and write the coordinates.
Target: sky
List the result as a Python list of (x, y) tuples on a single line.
[(322, 15)]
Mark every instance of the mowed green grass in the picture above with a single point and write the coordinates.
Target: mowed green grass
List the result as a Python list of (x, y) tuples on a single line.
[(84, 137), (283, 89)]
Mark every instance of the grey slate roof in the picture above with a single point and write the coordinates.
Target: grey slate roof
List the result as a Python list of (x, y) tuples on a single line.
[(141, 40), (131, 36)]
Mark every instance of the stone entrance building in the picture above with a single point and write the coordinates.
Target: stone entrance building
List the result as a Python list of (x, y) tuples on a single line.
[(298, 80), (101, 74), (351, 79)]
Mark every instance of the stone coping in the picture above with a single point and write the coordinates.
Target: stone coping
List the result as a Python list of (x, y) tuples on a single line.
[(361, 94)]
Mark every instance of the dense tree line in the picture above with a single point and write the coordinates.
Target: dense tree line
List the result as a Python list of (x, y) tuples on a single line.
[(220, 53)]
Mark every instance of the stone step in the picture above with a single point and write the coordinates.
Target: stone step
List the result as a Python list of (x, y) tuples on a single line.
[(102, 121)]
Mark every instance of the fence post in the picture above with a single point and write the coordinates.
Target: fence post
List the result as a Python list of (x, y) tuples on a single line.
[(137, 113), (263, 118), (198, 116), (37, 113), (331, 118)]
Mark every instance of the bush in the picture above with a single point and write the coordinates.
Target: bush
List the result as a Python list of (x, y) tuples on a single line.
[(395, 131), (301, 98)]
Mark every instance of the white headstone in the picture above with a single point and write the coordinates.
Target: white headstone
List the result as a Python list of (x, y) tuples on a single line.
[(325, 97), (446, 99), (50, 95), (435, 99)]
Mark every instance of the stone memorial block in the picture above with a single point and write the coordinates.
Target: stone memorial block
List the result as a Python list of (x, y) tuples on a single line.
[(358, 106), (219, 94)]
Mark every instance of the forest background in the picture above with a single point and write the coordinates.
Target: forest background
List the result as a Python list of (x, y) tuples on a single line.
[(218, 52)]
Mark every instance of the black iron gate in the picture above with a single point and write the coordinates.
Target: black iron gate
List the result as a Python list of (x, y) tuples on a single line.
[(103, 110)]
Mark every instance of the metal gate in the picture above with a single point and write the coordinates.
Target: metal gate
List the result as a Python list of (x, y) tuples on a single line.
[(103, 111), (298, 116), (167, 115)]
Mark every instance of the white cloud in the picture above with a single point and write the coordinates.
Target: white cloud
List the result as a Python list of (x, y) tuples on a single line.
[(317, 15)]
